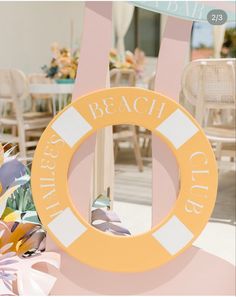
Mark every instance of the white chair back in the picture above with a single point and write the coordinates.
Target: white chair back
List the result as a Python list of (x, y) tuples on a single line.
[(13, 85), (122, 77), (14, 88), (209, 84)]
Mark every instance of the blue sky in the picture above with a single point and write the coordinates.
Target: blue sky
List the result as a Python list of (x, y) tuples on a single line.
[(203, 34)]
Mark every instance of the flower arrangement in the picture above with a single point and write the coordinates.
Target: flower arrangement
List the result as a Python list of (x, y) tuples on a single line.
[(134, 60), (63, 64), (17, 209), (22, 236)]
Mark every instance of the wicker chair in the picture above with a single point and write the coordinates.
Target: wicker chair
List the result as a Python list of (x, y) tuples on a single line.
[(126, 133), (122, 77), (208, 89), (16, 125)]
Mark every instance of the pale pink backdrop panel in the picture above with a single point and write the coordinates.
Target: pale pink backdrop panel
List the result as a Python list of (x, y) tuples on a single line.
[(225, 5), (172, 55), (91, 76), (194, 272)]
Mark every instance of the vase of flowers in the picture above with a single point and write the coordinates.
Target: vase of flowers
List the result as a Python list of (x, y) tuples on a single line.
[(63, 65), (135, 61)]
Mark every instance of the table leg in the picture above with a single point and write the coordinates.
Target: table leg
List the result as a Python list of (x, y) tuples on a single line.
[(59, 102), (54, 105)]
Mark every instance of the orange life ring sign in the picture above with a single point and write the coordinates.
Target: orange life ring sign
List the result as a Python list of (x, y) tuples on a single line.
[(165, 118)]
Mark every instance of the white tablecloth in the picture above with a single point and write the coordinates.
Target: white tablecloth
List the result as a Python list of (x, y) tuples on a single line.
[(56, 90)]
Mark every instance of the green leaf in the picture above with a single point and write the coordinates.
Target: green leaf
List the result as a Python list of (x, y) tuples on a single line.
[(102, 201), (31, 217)]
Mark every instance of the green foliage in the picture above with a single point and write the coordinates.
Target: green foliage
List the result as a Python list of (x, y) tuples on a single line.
[(102, 201), (22, 205), (229, 46), (21, 199)]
